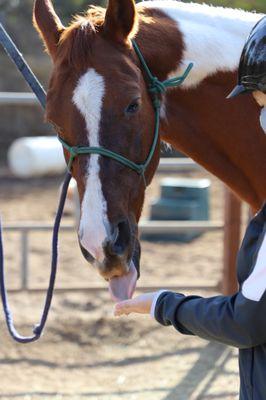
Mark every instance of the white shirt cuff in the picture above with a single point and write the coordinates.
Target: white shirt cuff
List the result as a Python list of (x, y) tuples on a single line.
[(157, 295)]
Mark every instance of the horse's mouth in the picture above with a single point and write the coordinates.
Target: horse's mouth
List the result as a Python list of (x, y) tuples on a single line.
[(122, 274), (123, 287), (123, 281)]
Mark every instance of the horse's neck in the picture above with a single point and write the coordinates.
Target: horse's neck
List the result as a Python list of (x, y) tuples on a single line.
[(224, 136), (212, 37)]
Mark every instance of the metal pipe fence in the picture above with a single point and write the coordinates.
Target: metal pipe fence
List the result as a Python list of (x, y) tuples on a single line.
[(18, 99), (146, 227)]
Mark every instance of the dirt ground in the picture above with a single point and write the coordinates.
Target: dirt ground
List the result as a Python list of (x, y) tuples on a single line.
[(85, 352)]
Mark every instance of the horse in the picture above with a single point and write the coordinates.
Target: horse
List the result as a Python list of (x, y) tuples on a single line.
[(98, 96)]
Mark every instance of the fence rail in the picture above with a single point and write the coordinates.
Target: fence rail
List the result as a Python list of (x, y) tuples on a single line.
[(146, 227), (174, 164), (17, 99), (182, 286)]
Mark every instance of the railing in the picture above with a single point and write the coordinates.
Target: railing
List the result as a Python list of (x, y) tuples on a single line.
[(17, 99), (146, 227)]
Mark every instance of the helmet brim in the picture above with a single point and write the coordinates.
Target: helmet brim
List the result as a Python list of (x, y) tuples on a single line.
[(238, 89)]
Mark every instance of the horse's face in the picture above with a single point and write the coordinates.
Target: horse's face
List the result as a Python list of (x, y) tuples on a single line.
[(97, 97)]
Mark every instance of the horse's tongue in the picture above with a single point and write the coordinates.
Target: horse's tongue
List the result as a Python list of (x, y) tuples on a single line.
[(122, 288)]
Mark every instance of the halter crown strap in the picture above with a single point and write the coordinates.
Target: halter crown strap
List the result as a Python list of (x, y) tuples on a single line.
[(156, 88), (155, 85)]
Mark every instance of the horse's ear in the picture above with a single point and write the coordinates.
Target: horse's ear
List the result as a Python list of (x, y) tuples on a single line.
[(48, 24), (121, 20)]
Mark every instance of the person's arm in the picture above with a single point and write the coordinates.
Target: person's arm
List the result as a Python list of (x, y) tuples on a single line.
[(238, 320), (233, 320)]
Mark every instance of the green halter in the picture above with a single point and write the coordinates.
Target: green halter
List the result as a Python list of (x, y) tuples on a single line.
[(156, 88)]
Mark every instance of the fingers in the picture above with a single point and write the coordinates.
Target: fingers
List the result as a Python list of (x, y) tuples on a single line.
[(124, 308), (140, 304)]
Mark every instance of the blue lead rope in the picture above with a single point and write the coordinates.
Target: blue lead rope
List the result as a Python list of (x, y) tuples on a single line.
[(38, 329), (38, 90)]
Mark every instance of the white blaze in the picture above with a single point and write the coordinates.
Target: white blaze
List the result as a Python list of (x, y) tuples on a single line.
[(94, 224)]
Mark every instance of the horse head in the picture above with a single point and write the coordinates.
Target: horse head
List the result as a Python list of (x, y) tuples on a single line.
[(97, 96)]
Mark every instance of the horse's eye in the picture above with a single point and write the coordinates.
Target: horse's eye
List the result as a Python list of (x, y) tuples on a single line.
[(133, 107)]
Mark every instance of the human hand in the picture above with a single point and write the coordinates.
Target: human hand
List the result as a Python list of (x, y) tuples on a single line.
[(140, 305)]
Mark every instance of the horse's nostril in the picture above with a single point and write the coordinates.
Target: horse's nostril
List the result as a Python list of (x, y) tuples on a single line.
[(123, 237), (86, 254), (120, 241)]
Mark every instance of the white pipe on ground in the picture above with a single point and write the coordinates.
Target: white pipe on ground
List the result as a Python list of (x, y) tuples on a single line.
[(36, 156), (42, 155)]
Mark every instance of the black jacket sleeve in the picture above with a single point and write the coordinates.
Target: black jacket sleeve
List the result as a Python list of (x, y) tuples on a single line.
[(234, 320)]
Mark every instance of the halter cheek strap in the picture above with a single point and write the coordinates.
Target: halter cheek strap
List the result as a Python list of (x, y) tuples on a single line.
[(156, 88)]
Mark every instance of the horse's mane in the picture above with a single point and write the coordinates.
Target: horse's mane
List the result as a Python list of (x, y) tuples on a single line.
[(94, 17), (76, 40)]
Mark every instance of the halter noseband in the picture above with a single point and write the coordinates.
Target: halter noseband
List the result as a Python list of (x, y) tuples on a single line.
[(155, 88)]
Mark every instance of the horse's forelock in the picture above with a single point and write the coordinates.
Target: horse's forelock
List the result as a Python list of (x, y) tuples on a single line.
[(75, 44)]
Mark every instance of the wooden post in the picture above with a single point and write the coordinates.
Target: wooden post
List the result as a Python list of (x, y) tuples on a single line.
[(232, 231)]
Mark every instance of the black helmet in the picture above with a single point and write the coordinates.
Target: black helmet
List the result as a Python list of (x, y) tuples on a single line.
[(252, 65)]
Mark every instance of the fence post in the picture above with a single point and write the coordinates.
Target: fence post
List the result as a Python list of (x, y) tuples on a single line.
[(232, 226), (24, 259)]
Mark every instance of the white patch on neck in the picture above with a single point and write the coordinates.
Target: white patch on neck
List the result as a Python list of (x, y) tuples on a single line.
[(255, 285), (263, 119), (213, 36), (94, 224)]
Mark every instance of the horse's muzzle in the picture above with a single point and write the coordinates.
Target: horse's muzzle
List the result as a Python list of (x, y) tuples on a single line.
[(118, 251)]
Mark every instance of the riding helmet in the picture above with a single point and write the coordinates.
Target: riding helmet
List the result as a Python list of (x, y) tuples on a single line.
[(252, 65)]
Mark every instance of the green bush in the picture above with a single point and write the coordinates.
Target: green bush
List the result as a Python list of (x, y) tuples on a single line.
[(66, 8), (16, 15), (249, 5)]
